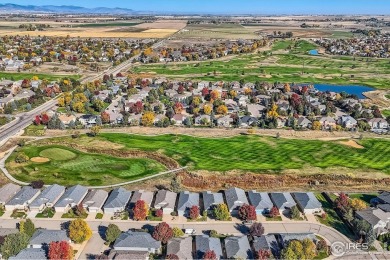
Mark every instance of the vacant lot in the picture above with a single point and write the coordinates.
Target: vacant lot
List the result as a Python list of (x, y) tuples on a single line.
[(22, 75)]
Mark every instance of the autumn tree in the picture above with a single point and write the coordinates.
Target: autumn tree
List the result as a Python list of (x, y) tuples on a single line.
[(214, 94), (95, 130), (274, 212), (140, 210), (342, 202), (209, 255), (27, 227), (194, 212), (177, 232), (162, 232), (37, 120), (79, 231), (357, 204), (309, 248), (295, 213), (60, 251), (222, 110), (207, 109), (147, 118), (158, 213), (178, 107), (44, 119), (13, 244), (205, 92), (287, 87), (256, 229), (272, 113), (112, 233), (221, 212), (316, 125), (263, 254), (247, 212), (137, 108), (105, 117)]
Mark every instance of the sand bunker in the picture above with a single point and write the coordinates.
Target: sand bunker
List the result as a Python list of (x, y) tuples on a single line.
[(40, 159), (352, 144)]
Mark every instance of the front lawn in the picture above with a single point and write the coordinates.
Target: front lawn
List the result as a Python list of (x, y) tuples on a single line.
[(277, 218), (46, 213), (366, 197), (35, 130), (18, 214)]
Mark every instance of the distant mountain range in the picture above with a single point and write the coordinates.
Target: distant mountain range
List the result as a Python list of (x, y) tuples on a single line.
[(64, 9)]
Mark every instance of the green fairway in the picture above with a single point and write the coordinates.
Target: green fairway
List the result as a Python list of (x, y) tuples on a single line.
[(69, 167), (22, 75), (258, 154)]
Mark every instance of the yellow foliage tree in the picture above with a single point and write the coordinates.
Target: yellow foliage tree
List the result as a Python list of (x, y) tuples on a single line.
[(79, 231), (147, 118), (214, 94), (273, 112), (207, 109), (316, 125), (222, 109), (358, 204), (80, 97), (247, 91), (35, 78), (196, 101), (287, 88), (78, 107), (148, 51), (233, 93)]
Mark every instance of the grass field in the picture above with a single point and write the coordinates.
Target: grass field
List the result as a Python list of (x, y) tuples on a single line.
[(91, 25), (22, 75), (68, 166), (386, 112)]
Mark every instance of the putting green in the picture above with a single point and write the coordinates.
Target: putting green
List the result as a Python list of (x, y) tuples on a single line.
[(57, 154)]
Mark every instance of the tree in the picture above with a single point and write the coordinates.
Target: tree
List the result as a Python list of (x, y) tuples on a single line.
[(295, 213), (79, 231), (273, 112), (342, 202), (37, 120), (60, 251), (147, 118), (357, 204), (13, 244), (27, 227), (178, 107), (214, 94), (95, 130), (105, 117), (274, 212), (207, 109), (140, 210), (293, 251), (309, 248), (247, 212), (21, 158), (256, 229), (209, 255), (221, 212), (222, 109), (263, 254), (137, 108), (194, 212), (159, 213), (177, 232), (112, 233), (162, 232), (98, 105), (172, 256), (316, 125)]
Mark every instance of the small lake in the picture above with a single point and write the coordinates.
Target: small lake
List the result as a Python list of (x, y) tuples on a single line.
[(350, 89), (313, 52)]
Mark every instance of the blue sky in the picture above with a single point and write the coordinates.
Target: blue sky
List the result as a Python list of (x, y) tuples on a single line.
[(233, 6)]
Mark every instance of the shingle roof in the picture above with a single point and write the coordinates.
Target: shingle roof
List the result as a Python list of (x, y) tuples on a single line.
[(282, 200), (287, 237), (126, 255), (385, 197), (30, 253), (95, 198), (45, 236), (182, 247), (146, 196), (373, 215), (48, 195), (384, 207), (187, 199), (165, 199), (211, 198), (138, 240), (8, 191), (307, 200), (238, 247), (235, 197), (25, 194), (260, 200), (118, 198), (72, 195), (266, 242), (204, 243)]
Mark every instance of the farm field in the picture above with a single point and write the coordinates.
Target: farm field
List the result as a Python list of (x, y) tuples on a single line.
[(283, 65), (66, 166)]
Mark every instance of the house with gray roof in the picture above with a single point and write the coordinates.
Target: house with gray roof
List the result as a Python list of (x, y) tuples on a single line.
[(211, 199), (71, 198), (43, 237), (48, 197), (22, 199), (307, 202), (378, 219), (268, 243), (146, 196), (137, 241), (238, 248), (384, 197), (235, 198), (285, 238), (165, 200), (7, 192), (186, 201), (283, 201), (261, 201), (94, 200), (125, 255), (180, 246), (117, 201), (204, 243), (30, 253)]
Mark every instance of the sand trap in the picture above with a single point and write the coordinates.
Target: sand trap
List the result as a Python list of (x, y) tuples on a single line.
[(352, 144), (40, 159)]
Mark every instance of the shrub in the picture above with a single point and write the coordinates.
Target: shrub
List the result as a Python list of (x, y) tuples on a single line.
[(213, 233), (194, 212), (177, 232), (158, 213), (21, 158)]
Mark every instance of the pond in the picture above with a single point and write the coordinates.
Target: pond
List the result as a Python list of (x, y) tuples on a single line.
[(350, 89), (313, 52)]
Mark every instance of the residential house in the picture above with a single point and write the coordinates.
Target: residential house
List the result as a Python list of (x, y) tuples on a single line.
[(7, 192), (283, 201), (210, 199), (202, 120), (48, 197), (378, 219), (261, 201), (124, 255), (303, 122), (181, 247), (348, 122), (146, 196), (204, 243), (384, 197), (247, 121), (137, 241), (30, 254), (225, 121), (256, 110), (186, 201), (378, 123), (327, 122), (307, 202), (179, 119), (43, 237), (22, 199), (66, 119), (267, 243), (117, 201), (72, 197), (285, 238), (94, 200), (235, 198), (88, 120), (238, 248), (165, 200)]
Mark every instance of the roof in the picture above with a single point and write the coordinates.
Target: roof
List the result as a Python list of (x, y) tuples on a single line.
[(125, 255), (204, 243), (282, 200), (260, 200), (385, 197), (118, 198), (48, 195), (8, 191), (211, 198), (235, 197), (187, 199), (146, 196), (165, 199), (266, 242), (287, 237), (95, 198), (307, 200), (72, 195), (30, 253), (138, 240), (238, 247), (45, 236), (384, 207), (25, 194), (180, 246), (373, 216)]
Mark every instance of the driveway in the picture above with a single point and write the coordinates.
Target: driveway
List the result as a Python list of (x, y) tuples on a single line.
[(95, 246)]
